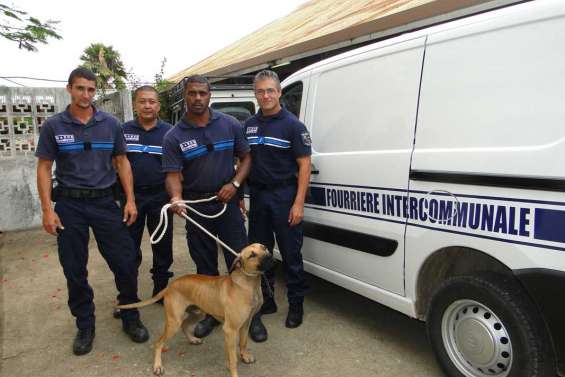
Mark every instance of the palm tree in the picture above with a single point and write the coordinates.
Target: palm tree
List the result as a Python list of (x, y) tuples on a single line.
[(107, 65)]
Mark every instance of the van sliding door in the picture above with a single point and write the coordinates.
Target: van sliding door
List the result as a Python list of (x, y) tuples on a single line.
[(362, 114)]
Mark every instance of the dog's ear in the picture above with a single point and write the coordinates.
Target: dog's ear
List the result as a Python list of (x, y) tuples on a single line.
[(236, 263)]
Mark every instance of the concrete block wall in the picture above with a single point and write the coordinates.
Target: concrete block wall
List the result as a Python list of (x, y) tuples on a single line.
[(22, 112), (118, 103), (19, 200)]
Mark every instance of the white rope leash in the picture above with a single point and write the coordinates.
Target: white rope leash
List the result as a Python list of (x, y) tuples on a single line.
[(164, 220)]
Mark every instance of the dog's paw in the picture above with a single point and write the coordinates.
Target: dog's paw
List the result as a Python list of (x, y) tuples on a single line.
[(158, 370), (247, 357), (195, 341)]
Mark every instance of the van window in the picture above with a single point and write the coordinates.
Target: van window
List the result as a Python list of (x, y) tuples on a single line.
[(239, 110), (292, 98)]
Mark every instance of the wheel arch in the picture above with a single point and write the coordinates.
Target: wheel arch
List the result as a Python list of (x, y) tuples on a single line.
[(448, 262)]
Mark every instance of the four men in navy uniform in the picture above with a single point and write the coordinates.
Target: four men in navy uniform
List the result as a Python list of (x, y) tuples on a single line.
[(85, 143), (279, 178), (193, 160)]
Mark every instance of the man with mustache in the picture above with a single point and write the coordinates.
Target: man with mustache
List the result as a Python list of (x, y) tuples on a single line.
[(198, 155)]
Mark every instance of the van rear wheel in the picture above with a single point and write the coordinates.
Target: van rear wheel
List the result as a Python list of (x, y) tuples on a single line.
[(485, 326)]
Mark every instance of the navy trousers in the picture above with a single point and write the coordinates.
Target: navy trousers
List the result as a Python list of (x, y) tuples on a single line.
[(114, 242), (148, 211), (229, 228), (268, 218)]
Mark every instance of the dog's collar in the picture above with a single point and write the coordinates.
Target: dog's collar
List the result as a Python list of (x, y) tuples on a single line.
[(249, 273)]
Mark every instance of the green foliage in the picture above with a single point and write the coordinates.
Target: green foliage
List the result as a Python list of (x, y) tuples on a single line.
[(107, 65), (163, 85), (17, 26)]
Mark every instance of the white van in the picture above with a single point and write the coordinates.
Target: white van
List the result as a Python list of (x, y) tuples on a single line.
[(236, 100), (438, 183)]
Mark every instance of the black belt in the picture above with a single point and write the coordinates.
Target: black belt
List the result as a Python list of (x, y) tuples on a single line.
[(272, 185), (189, 195), (149, 189), (80, 193)]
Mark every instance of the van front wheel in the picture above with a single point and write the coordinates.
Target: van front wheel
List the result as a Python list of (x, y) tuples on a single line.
[(486, 325)]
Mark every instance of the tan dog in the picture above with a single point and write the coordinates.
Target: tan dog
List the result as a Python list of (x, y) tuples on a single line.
[(232, 299)]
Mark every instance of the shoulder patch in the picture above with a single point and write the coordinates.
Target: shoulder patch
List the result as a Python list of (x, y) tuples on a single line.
[(306, 140)]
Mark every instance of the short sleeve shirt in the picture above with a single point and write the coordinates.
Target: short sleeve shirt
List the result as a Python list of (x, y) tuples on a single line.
[(145, 151), (276, 142), (82, 152), (205, 155)]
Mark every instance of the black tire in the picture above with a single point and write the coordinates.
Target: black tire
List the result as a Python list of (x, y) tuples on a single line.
[(466, 312)]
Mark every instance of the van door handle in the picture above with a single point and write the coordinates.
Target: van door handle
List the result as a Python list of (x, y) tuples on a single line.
[(314, 170)]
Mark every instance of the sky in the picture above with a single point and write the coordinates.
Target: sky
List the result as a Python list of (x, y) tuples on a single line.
[(142, 31)]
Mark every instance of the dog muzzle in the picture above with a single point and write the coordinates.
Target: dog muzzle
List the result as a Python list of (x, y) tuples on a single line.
[(266, 263)]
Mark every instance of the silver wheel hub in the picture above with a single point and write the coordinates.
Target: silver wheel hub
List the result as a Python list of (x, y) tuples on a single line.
[(476, 340)]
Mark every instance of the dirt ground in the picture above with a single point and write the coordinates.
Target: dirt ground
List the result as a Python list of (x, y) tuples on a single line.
[(343, 333)]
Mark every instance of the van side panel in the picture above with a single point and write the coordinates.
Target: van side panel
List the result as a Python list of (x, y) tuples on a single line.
[(492, 98), (363, 112)]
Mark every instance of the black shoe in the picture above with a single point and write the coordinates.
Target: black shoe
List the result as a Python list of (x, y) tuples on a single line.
[(83, 341), (269, 306), (117, 313), (294, 318), (258, 331), (205, 327), (136, 331)]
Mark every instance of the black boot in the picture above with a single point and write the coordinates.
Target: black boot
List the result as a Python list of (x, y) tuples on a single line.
[(205, 327), (269, 306), (83, 341), (135, 330), (294, 318), (257, 331)]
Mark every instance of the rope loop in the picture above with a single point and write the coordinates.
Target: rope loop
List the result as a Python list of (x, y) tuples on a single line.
[(164, 220)]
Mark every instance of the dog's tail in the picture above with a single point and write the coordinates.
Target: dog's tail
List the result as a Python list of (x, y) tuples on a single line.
[(141, 304)]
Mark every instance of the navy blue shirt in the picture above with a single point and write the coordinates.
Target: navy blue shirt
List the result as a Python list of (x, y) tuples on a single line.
[(145, 149), (82, 152), (205, 155), (276, 142)]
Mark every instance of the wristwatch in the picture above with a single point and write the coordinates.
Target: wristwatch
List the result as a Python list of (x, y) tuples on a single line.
[(235, 183)]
